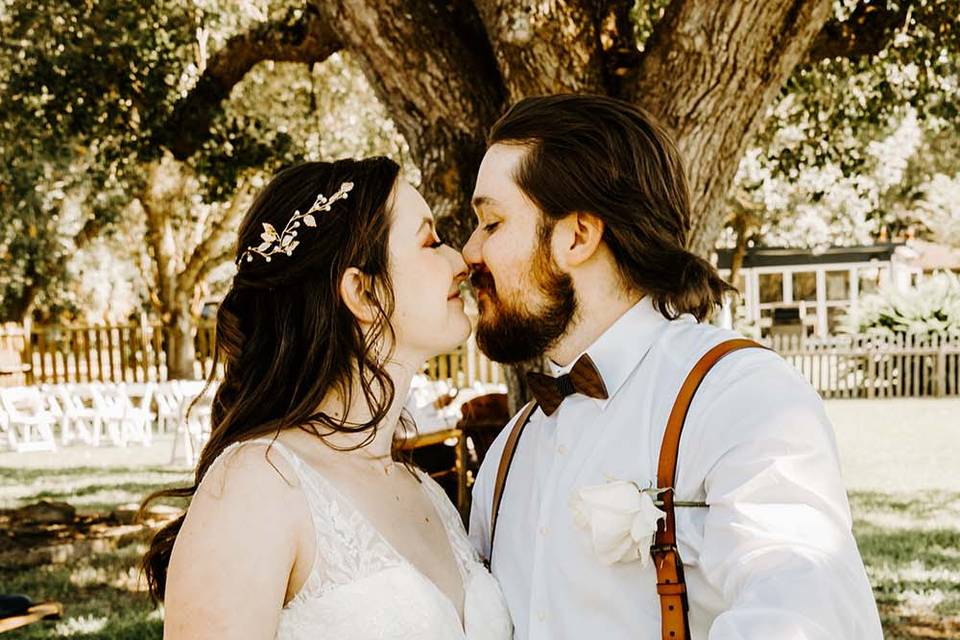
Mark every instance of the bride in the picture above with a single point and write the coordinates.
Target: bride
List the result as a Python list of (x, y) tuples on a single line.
[(301, 523)]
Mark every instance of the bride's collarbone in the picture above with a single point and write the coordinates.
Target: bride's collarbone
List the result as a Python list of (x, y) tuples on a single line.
[(398, 507)]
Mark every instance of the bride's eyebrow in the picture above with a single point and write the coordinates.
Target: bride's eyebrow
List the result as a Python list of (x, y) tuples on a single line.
[(426, 222)]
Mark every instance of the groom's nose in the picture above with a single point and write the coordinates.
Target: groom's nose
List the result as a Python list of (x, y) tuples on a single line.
[(472, 253)]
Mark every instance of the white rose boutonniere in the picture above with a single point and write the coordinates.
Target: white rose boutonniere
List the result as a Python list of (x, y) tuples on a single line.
[(620, 518)]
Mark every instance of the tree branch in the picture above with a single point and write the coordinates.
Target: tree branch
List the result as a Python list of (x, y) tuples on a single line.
[(866, 32), (155, 232), (226, 254), (199, 262), (307, 38), (709, 71)]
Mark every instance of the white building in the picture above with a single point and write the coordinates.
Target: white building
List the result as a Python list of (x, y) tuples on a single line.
[(812, 290)]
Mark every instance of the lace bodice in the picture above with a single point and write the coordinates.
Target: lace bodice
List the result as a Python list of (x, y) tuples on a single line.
[(361, 588)]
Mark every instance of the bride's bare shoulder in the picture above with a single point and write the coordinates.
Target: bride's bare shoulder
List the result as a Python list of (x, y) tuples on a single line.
[(249, 469)]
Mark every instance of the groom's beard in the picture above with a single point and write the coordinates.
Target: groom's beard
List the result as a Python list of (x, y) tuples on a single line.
[(508, 331)]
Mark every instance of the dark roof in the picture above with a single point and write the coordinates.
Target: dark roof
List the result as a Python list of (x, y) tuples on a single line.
[(782, 257)]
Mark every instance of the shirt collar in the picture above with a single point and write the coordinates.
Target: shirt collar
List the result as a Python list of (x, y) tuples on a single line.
[(619, 349)]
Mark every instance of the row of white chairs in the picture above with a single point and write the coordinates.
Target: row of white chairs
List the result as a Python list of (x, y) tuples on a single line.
[(96, 413)]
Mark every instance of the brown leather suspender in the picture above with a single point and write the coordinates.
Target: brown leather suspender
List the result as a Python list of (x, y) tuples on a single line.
[(506, 458), (671, 586), (666, 558)]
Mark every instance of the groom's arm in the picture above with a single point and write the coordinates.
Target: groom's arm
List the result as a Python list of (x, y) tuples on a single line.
[(777, 537)]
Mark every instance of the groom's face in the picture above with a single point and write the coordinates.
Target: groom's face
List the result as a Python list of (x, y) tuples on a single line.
[(525, 301)]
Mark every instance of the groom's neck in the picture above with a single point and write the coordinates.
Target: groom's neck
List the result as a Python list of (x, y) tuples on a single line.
[(597, 309)]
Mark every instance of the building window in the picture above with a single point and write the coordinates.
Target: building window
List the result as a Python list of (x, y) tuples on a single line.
[(835, 316), (804, 286), (838, 285), (771, 287), (870, 278)]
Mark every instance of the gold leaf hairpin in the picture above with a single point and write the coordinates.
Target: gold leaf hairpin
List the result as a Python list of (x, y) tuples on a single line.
[(285, 242)]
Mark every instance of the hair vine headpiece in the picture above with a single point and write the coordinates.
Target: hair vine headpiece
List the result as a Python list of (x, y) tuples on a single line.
[(285, 242)]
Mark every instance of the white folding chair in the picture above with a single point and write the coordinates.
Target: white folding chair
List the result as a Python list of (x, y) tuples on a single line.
[(193, 430), (29, 423), (167, 397), (110, 407), (138, 415), (79, 416)]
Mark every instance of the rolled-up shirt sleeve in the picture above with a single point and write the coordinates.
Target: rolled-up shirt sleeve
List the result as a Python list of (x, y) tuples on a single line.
[(777, 540)]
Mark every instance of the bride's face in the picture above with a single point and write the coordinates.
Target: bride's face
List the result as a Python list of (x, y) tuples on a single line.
[(428, 316)]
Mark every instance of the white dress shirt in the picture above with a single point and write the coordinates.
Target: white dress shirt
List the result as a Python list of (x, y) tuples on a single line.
[(772, 557)]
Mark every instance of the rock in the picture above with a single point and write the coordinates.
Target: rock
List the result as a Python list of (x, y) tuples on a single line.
[(44, 512)]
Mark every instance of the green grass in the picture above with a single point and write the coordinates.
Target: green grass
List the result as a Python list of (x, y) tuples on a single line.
[(103, 594), (910, 545)]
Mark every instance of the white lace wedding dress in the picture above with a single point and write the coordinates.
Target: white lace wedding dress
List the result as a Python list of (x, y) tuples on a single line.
[(361, 588)]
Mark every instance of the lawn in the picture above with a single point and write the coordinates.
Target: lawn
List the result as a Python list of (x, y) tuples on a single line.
[(906, 520)]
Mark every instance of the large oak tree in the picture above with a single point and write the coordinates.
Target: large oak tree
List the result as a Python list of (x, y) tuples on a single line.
[(446, 70)]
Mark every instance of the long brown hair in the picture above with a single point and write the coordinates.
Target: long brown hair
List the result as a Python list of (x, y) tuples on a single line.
[(595, 154), (284, 335)]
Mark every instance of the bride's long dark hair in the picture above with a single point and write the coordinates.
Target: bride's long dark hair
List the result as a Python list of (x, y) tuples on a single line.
[(284, 335)]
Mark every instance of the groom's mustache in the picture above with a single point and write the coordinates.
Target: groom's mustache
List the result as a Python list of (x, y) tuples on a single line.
[(482, 279)]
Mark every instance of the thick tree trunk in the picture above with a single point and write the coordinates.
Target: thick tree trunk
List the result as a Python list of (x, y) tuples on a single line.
[(181, 354), (709, 73), (545, 47), (21, 307), (432, 68)]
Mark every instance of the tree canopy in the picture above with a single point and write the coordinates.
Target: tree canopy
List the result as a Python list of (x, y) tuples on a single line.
[(816, 121)]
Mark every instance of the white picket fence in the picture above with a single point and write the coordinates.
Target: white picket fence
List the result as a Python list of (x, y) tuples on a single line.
[(903, 365)]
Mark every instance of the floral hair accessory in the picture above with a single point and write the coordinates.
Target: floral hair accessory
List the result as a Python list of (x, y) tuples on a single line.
[(285, 242)]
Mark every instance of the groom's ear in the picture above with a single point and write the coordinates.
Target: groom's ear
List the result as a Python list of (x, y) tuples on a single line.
[(577, 237), (355, 291)]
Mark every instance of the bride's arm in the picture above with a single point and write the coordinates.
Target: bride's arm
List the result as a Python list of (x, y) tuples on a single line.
[(234, 555)]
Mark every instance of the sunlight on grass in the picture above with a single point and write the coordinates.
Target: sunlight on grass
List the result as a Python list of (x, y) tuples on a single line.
[(911, 547), (72, 627), (910, 544)]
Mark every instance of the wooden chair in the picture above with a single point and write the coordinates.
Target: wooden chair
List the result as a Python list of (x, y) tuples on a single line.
[(482, 420)]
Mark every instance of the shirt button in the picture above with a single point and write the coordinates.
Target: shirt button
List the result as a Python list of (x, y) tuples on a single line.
[(542, 616), (543, 531), (562, 450)]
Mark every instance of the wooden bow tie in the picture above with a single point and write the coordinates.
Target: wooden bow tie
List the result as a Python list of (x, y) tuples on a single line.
[(583, 378)]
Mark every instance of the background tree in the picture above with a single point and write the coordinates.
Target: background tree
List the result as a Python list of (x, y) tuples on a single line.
[(97, 95), (87, 88)]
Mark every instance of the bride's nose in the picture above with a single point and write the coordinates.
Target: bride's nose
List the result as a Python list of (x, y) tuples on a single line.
[(460, 269)]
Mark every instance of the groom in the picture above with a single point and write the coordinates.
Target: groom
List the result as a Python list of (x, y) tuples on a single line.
[(583, 217)]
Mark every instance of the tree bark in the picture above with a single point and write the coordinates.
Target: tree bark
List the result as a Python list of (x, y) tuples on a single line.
[(709, 73), (545, 47), (432, 68)]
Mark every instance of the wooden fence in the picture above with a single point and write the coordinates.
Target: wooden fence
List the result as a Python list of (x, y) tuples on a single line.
[(837, 367), (138, 353), (95, 353)]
